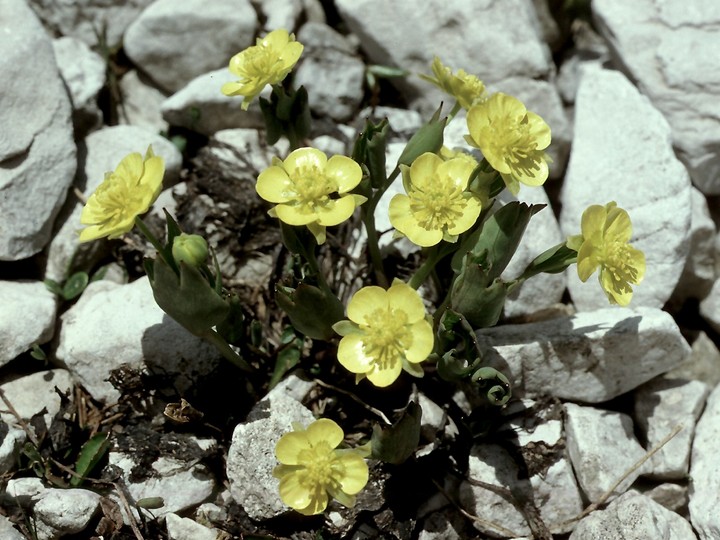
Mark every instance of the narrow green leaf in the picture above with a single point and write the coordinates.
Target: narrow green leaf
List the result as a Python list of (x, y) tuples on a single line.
[(90, 455)]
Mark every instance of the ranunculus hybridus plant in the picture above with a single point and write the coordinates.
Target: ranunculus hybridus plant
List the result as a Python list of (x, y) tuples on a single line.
[(310, 189), (124, 194), (312, 469), (604, 244), (267, 62), (465, 88), (437, 206), (512, 139), (387, 332)]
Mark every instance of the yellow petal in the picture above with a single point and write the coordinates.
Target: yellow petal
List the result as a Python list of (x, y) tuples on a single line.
[(335, 211), (304, 157), (318, 231), (293, 493), (403, 297), (422, 342), (291, 54), (637, 261), (350, 354), (361, 306), (587, 260), (618, 227), (289, 447), (153, 171), (345, 328), (293, 215), (276, 39), (274, 185), (385, 374), (422, 170), (531, 171), (324, 430), (356, 473), (423, 237), (593, 220), (616, 293), (131, 167), (344, 171), (539, 131), (457, 171), (468, 218), (318, 503)]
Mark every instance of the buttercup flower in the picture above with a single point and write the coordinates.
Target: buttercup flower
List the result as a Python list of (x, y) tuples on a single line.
[(606, 231), (267, 62), (387, 332), (465, 88), (310, 189), (124, 194), (511, 138), (312, 470), (436, 206)]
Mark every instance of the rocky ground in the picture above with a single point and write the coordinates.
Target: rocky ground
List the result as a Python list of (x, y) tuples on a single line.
[(612, 430)]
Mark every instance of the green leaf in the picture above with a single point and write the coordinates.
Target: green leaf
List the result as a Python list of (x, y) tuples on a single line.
[(552, 261), (53, 286), (232, 328), (150, 503), (494, 384), (75, 285), (288, 356), (90, 455), (398, 442), (429, 138), (387, 72), (312, 310), (370, 150), (37, 353)]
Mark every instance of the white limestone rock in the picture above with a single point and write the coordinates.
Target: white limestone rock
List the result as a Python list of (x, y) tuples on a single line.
[(333, 76), (86, 19), (589, 357), (398, 33), (179, 528), (279, 13), (136, 332), (710, 307), (672, 496), (32, 393), (704, 472), (172, 43), (660, 406), (7, 531), (141, 102), (251, 456), (622, 152), (633, 517), (11, 440), (103, 152), (543, 232), (27, 317), (602, 448), (670, 48), (703, 364), (37, 150), (24, 491), (84, 74), (61, 512), (201, 106)]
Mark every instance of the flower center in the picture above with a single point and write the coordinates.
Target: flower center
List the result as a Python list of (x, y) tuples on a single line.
[(118, 199), (312, 188), (321, 467), (616, 259), (259, 62), (387, 336), (439, 206), (509, 136)]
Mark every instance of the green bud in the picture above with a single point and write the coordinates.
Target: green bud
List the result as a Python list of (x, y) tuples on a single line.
[(191, 249), (429, 138)]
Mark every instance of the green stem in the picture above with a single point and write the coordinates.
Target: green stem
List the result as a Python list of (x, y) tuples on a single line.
[(149, 235), (421, 274), (216, 339), (456, 109)]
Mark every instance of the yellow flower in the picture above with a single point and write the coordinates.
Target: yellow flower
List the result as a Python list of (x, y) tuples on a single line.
[(310, 189), (511, 138), (311, 470), (437, 205), (606, 231), (267, 62), (124, 194), (465, 88), (387, 332)]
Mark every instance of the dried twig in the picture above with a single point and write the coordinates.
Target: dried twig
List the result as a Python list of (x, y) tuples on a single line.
[(29, 432), (352, 396)]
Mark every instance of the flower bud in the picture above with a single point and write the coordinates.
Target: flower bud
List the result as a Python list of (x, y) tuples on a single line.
[(192, 249)]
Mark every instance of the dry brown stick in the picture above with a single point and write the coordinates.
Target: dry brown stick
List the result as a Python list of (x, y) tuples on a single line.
[(29, 432), (128, 510), (352, 396)]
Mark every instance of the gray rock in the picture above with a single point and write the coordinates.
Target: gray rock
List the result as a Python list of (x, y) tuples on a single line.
[(616, 126), (710, 307), (84, 74), (86, 18), (7, 531), (174, 43), (279, 13), (61, 512), (633, 517), (332, 75), (135, 332), (672, 496), (104, 150), (11, 440), (24, 491), (703, 364), (141, 102), (704, 472), (251, 456), (444, 525), (37, 150), (698, 275), (669, 49), (660, 406), (32, 393), (589, 357), (27, 317), (479, 44), (602, 448), (179, 528), (543, 290), (202, 107)]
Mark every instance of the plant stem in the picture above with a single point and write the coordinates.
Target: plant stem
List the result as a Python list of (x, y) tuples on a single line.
[(149, 235), (216, 339)]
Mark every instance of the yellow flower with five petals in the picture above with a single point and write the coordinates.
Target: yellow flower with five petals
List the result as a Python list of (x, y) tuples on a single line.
[(127, 192), (512, 139), (312, 469), (267, 62), (465, 88), (387, 332), (437, 205), (603, 244), (310, 189)]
